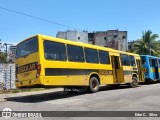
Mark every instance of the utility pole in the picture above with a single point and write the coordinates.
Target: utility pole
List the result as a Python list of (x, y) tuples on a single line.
[(10, 77), (6, 45)]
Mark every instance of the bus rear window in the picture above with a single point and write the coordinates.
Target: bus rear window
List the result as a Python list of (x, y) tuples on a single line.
[(27, 47)]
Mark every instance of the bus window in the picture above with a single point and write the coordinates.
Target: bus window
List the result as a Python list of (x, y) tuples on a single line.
[(143, 60), (54, 51), (153, 62), (75, 53), (27, 47), (104, 57), (132, 60), (91, 55), (159, 63), (125, 60)]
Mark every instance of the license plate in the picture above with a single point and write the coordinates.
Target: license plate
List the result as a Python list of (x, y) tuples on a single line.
[(26, 74)]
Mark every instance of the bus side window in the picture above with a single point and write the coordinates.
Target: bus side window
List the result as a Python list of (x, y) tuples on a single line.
[(152, 62), (132, 60), (104, 57), (91, 55), (54, 51), (125, 60), (75, 53), (156, 63)]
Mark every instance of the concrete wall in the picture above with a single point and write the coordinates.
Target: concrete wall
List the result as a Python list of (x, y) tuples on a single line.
[(74, 35), (117, 40), (100, 38), (112, 38), (62, 35), (7, 75)]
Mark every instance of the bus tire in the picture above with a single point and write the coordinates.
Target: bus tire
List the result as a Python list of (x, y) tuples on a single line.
[(134, 82), (93, 85), (148, 81)]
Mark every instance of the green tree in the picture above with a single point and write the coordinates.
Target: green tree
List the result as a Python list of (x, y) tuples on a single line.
[(3, 58), (147, 44)]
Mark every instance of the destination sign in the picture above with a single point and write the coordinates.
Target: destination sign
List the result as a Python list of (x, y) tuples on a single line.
[(27, 67)]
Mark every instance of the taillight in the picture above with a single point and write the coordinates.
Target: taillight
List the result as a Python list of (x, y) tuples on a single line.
[(146, 71), (38, 71)]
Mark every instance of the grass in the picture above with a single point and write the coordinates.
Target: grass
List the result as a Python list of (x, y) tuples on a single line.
[(21, 90)]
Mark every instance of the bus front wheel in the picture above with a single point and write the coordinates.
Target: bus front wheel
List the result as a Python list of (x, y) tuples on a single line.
[(134, 82), (93, 84)]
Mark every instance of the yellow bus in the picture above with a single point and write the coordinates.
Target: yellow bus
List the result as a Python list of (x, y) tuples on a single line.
[(47, 61)]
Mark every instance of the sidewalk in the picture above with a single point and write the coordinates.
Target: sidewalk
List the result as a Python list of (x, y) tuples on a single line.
[(21, 94)]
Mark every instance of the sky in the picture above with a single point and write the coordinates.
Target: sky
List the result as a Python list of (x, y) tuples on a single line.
[(133, 16)]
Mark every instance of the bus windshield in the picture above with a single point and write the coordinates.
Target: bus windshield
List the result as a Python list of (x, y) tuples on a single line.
[(143, 60), (27, 47)]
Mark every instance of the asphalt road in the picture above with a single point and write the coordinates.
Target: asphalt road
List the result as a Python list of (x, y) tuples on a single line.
[(123, 98)]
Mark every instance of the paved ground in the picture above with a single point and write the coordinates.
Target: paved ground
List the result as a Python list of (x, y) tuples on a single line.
[(143, 98)]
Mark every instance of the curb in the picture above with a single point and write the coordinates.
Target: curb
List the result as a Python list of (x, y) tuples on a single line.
[(2, 100)]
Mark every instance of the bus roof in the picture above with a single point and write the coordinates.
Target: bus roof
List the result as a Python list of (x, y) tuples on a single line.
[(78, 44), (123, 52), (150, 56)]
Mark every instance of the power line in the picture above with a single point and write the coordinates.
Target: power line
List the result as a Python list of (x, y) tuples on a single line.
[(49, 21)]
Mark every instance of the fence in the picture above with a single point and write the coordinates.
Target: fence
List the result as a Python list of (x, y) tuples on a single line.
[(7, 76)]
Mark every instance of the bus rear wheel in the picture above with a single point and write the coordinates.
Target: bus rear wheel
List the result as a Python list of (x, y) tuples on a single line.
[(134, 82), (93, 84)]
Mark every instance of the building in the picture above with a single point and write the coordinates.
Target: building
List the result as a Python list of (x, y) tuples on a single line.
[(74, 35), (131, 44), (11, 53), (112, 38), (117, 40)]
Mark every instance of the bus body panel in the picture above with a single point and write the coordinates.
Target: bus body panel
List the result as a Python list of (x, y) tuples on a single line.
[(25, 64), (151, 64), (127, 71)]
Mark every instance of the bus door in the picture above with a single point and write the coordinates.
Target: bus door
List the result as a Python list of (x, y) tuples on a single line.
[(156, 69), (117, 70), (140, 71), (158, 61)]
